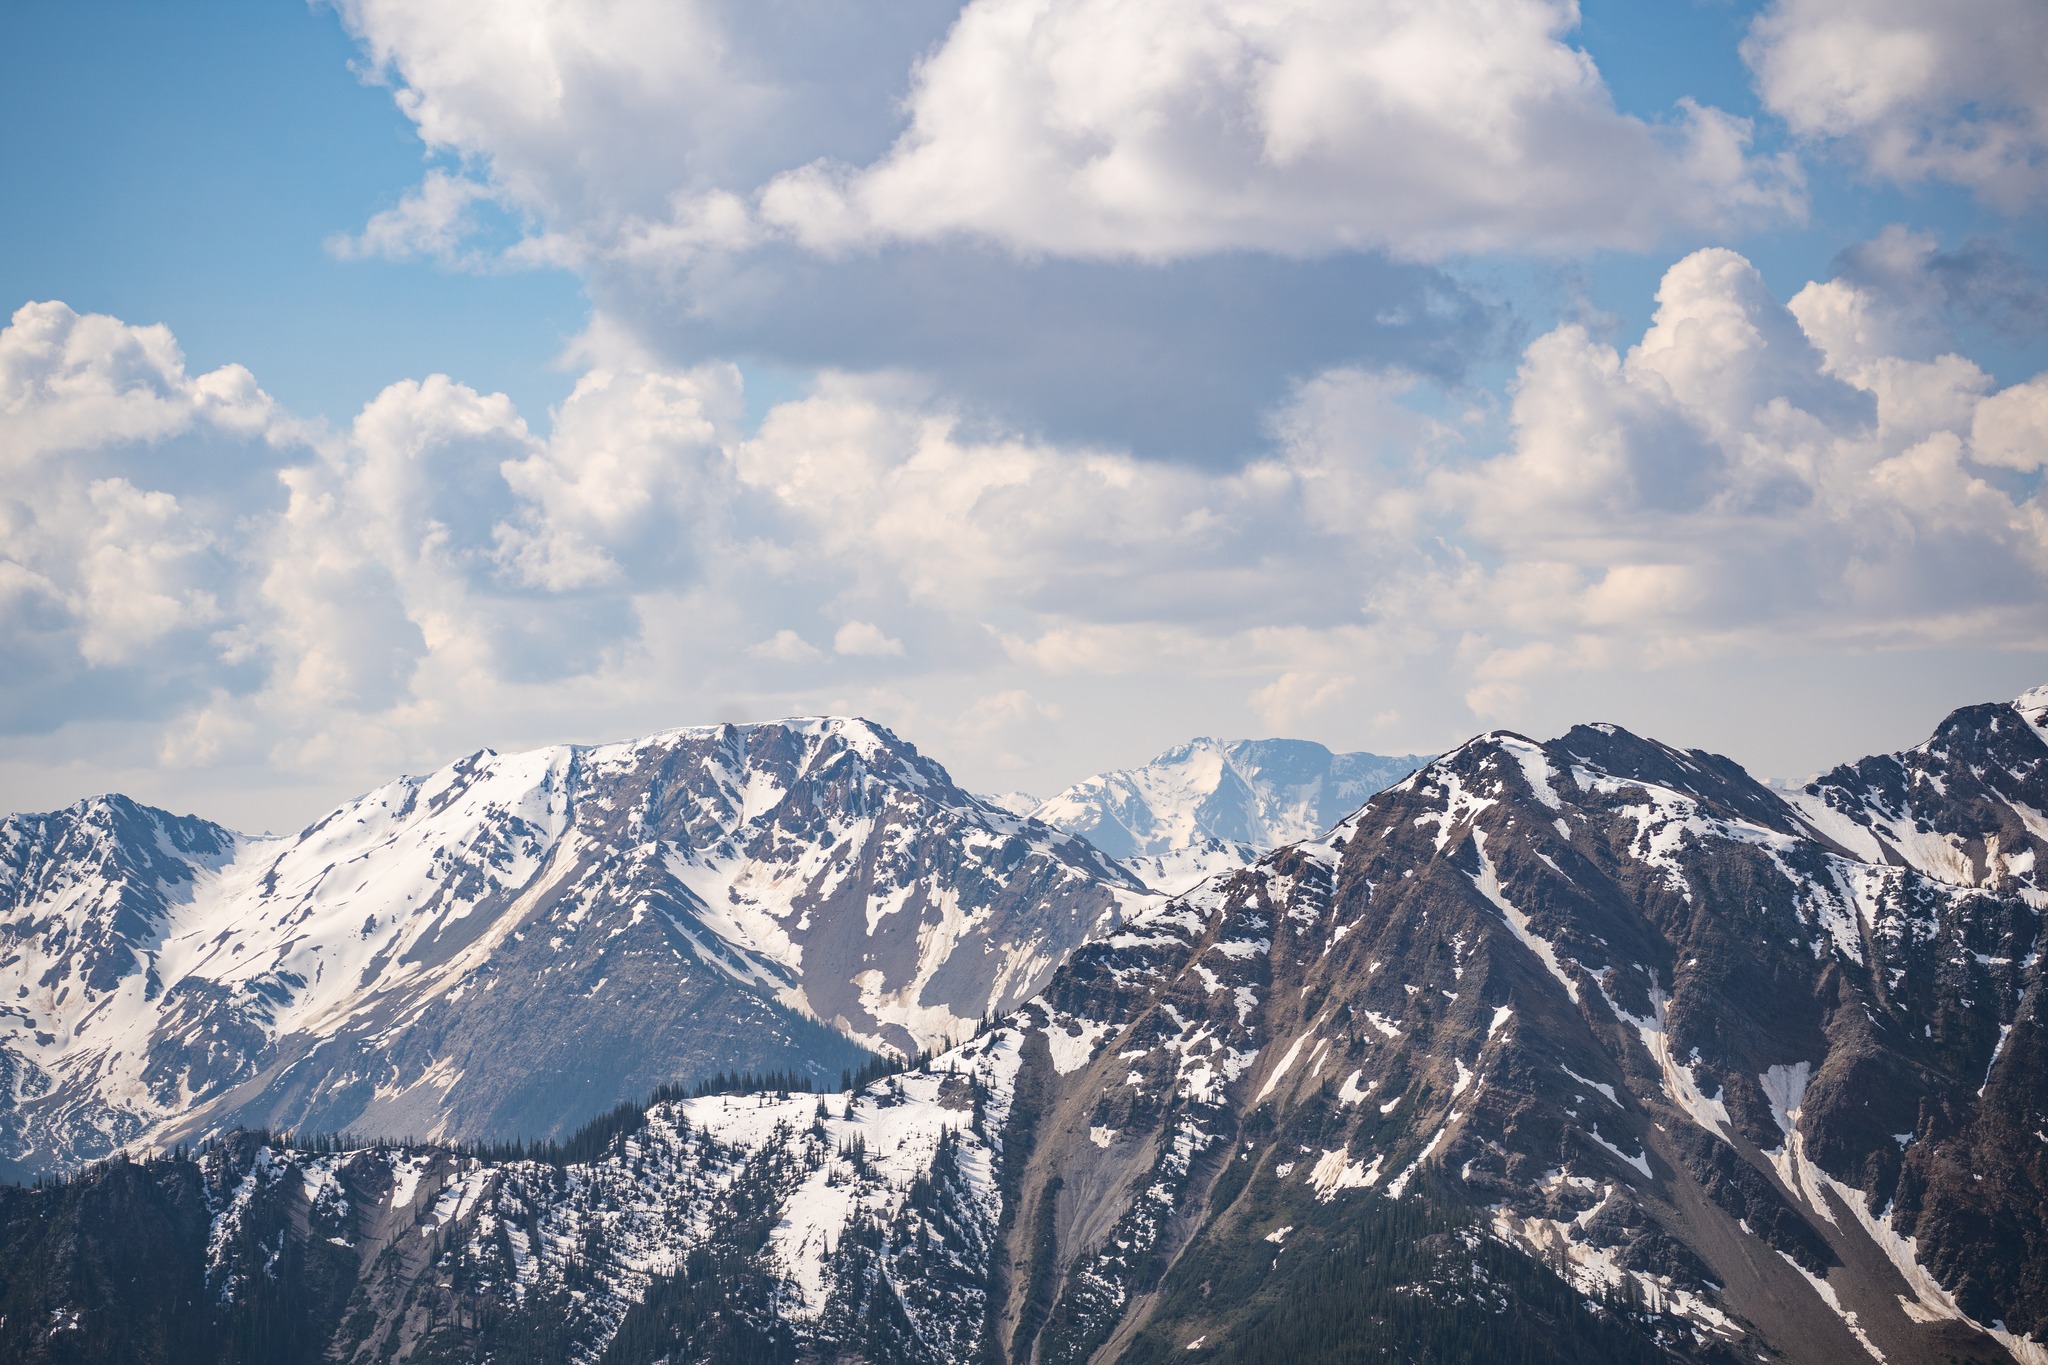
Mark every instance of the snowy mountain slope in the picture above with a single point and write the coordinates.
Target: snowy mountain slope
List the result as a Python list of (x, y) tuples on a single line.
[(1017, 803), (796, 1186), (1969, 806), (86, 893), (518, 941), (1211, 805), (1584, 1050)]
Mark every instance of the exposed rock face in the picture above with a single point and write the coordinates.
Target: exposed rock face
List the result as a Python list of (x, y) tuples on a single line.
[(515, 943), (1662, 1030), (1210, 805), (1586, 1050)]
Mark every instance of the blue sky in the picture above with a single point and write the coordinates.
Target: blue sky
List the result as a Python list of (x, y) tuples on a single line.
[(184, 164), (1049, 381)]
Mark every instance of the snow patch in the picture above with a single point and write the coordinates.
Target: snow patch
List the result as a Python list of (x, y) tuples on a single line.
[(1834, 1301), (1680, 1086), (1594, 1271), (1640, 1163), (1280, 1069), (1333, 1174), (1536, 770), (1600, 1086), (1488, 883)]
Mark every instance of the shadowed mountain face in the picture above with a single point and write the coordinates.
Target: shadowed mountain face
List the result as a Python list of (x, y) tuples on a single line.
[(515, 943), (1583, 1050), (1210, 805)]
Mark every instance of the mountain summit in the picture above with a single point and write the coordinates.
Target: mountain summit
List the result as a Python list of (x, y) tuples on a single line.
[(516, 942)]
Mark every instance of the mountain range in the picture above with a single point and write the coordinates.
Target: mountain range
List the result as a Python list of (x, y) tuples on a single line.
[(515, 943), (1591, 1048)]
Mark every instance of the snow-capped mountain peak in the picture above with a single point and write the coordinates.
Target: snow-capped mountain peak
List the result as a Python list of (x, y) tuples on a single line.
[(1210, 805), (515, 941)]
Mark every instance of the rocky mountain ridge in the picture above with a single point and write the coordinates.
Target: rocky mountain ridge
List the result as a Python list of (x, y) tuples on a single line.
[(1586, 1049), (517, 942)]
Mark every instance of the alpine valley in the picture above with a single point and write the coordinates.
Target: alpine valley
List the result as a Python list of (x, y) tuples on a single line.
[(1584, 1050)]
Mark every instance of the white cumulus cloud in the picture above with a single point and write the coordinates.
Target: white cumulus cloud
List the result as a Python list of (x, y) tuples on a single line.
[(865, 639), (99, 560), (589, 113), (436, 219), (1747, 469), (785, 646), (648, 133), (1157, 130)]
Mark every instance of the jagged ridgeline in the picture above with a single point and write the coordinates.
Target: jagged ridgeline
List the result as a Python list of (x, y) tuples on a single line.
[(516, 943), (1583, 1050)]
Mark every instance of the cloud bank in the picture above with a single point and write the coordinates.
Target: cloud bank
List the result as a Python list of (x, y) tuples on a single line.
[(1749, 475), (1014, 369), (1124, 224)]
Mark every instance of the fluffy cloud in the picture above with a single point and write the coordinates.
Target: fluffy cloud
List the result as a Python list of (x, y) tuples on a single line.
[(559, 104), (618, 492), (864, 638), (654, 132), (176, 545), (786, 646), (1918, 90), (436, 219), (1158, 130), (627, 126), (78, 383), (104, 566), (1747, 470), (630, 141), (2011, 428), (1919, 298), (886, 488)]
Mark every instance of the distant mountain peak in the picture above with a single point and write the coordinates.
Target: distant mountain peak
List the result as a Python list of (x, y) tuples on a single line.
[(1208, 805), (2033, 704)]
